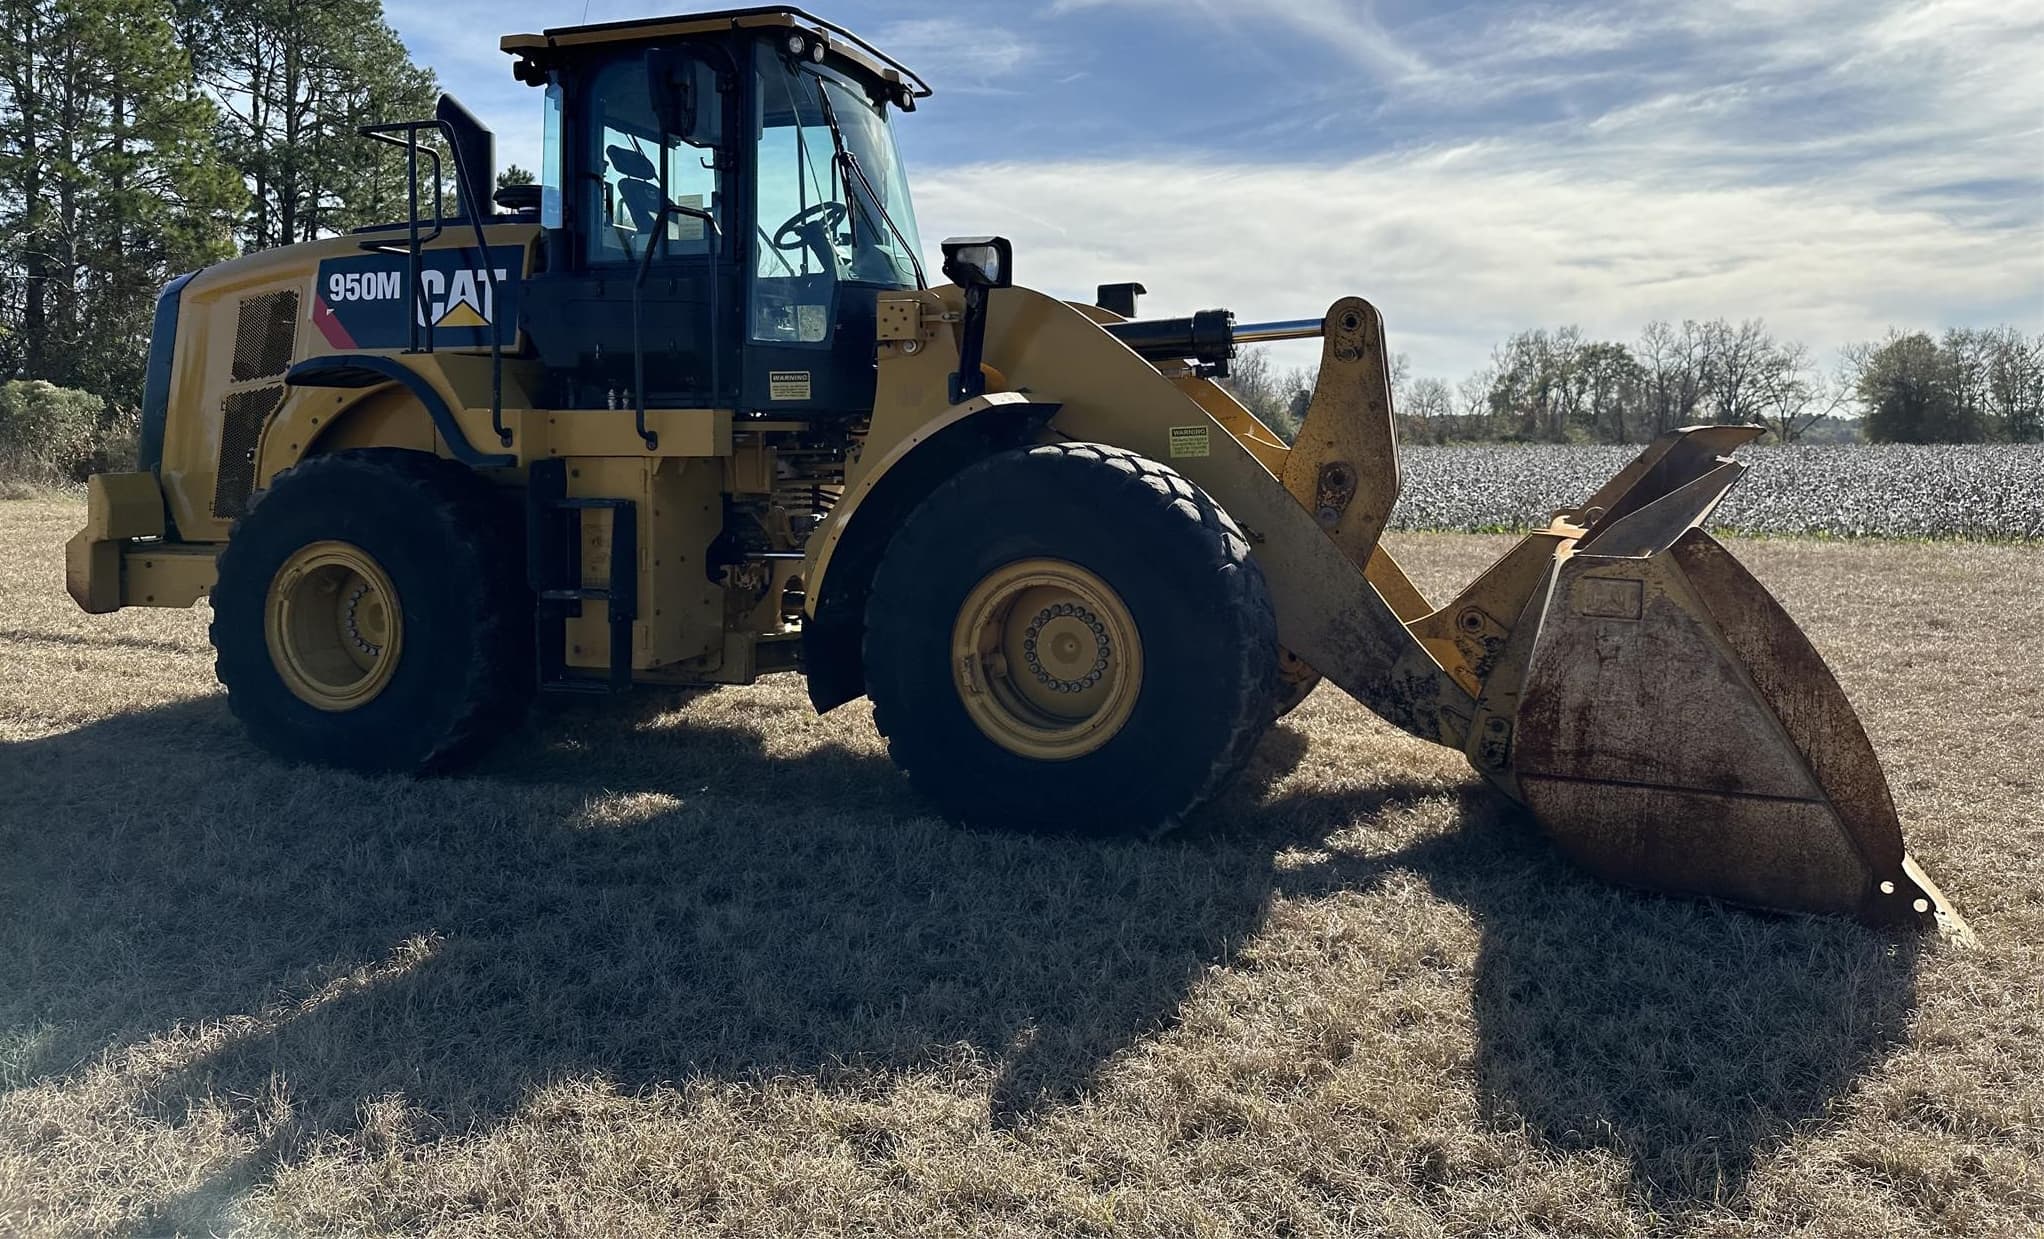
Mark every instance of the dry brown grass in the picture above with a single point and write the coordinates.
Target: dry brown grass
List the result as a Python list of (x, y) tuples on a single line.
[(703, 966)]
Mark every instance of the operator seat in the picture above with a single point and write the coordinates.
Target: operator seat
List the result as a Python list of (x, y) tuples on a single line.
[(639, 190)]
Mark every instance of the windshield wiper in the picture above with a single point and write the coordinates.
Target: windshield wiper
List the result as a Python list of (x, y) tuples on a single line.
[(851, 162)]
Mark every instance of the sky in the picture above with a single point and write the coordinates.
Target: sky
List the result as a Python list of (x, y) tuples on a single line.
[(1473, 167)]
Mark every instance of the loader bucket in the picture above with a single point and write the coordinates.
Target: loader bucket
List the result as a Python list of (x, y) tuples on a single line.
[(1676, 730)]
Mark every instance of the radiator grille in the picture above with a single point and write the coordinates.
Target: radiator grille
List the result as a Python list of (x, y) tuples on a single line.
[(264, 335), (243, 415)]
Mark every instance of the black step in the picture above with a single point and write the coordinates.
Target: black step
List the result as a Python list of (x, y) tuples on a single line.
[(553, 524)]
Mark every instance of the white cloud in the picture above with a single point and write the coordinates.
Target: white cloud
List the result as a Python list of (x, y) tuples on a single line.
[(1835, 166), (1350, 27), (956, 54), (1461, 246)]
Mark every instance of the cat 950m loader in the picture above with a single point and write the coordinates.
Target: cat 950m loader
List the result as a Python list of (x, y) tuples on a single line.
[(690, 411)]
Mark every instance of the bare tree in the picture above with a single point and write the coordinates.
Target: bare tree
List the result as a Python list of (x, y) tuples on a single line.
[(1792, 394), (1736, 361), (1428, 410), (1472, 402), (1673, 374)]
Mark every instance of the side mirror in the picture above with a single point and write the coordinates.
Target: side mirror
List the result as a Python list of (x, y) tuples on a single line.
[(684, 91), (979, 262), (672, 86)]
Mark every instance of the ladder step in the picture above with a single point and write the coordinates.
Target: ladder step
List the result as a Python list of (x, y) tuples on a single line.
[(554, 572), (574, 687), (576, 595), (583, 505)]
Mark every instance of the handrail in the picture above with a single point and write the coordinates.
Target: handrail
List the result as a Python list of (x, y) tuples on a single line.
[(388, 133)]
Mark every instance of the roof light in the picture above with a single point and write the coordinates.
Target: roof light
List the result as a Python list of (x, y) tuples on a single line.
[(797, 45), (816, 51)]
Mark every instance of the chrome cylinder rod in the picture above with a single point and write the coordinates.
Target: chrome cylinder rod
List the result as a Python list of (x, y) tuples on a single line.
[(1265, 333)]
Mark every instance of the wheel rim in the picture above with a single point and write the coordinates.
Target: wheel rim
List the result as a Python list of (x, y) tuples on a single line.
[(334, 626), (1047, 659)]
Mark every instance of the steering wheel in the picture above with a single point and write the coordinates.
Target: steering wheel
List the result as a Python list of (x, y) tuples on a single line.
[(811, 228)]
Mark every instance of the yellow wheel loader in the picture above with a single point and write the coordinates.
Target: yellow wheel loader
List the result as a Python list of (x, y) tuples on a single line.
[(690, 411)]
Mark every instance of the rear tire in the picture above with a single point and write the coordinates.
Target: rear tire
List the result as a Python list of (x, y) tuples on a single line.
[(1071, 539), (371, 614)]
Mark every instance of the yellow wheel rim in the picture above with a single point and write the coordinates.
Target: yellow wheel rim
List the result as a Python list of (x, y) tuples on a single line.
[(334, 626), (1047, 659)]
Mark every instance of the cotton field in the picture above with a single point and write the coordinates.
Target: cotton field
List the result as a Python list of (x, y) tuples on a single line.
[(1888, 491)]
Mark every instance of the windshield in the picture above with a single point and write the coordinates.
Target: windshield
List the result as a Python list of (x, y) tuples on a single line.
[(826, 213), (879, 184)]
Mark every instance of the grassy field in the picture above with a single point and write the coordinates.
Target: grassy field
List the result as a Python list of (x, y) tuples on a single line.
[(702, 965)]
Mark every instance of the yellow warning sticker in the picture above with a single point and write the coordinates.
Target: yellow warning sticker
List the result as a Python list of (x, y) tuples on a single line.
[(1190, 442), (788, 385)]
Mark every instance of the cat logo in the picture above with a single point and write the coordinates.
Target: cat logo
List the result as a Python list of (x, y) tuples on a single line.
[(464, 297)]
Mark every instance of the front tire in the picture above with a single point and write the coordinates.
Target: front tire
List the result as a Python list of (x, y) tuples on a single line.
[(371, 614), (1070, 637)]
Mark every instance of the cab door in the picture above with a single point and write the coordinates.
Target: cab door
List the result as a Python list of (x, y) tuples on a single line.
[(820, 249), (648, 132)]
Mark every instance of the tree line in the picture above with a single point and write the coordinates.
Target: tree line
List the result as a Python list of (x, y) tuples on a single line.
[(1970, 385), (144, 138)]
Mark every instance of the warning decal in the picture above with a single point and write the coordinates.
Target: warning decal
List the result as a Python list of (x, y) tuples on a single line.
[(1190, 442), (788, 385)]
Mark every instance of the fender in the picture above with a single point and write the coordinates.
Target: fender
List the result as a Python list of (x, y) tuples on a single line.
[(844, 553), (358, 370)]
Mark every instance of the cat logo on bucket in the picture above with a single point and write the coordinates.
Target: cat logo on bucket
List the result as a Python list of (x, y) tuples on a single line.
[(364, 302)]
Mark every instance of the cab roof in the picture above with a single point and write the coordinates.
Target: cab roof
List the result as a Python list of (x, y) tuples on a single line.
[(842, 43)]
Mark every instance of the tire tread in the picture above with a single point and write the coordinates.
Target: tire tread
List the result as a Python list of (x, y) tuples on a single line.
[(1244, 604), (467, 509)]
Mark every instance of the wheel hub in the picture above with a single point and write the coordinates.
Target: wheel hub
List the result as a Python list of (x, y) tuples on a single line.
[(1066, 648), (333, 625), (1046, 659)]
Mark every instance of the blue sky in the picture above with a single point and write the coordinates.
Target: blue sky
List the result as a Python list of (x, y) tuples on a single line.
[(1472, 166)]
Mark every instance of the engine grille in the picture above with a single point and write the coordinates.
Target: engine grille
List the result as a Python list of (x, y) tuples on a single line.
[(243, 414), (264, 335)]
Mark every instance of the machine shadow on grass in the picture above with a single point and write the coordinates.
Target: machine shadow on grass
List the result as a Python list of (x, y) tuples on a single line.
[(621, 897), (1689, 1038)]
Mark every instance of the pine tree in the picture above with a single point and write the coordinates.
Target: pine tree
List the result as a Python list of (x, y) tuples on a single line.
[(295, 81), (109, 185)]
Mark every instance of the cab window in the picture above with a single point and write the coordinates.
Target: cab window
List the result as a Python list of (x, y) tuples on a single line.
[(638, 166), (801, 207), (833, 201)]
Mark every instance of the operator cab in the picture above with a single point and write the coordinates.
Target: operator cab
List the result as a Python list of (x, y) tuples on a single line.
[(727, 183)]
